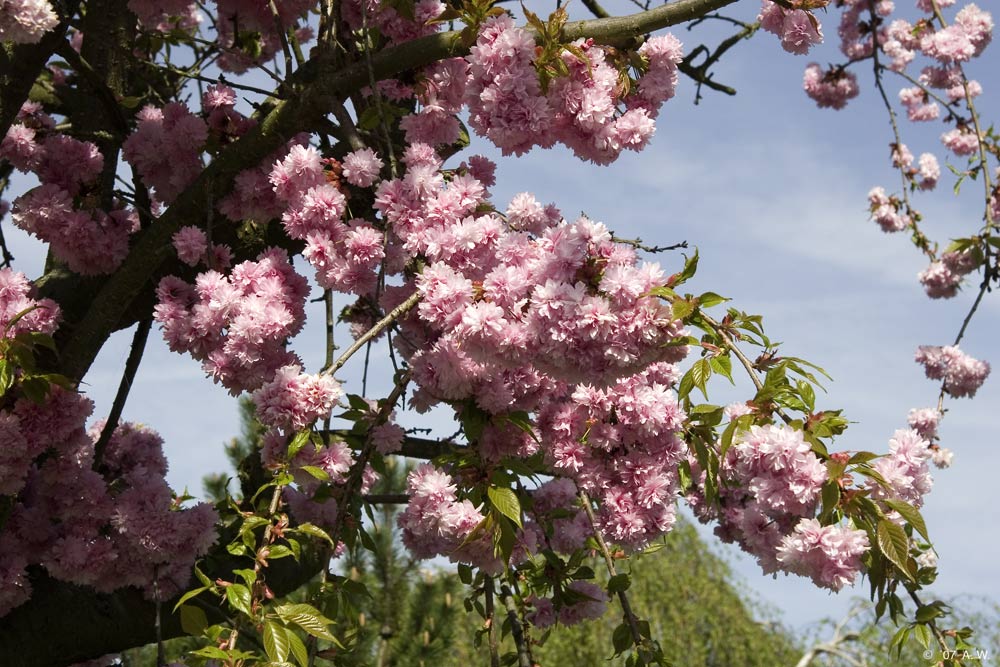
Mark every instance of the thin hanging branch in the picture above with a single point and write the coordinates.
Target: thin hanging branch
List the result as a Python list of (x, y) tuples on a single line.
[(516, 630), (630, 618), (124, 387)]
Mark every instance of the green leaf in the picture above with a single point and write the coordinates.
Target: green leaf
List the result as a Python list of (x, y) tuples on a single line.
[(893, 544), (690, 268), (682, 309), (911, 515), (193, 620), (314, 531), (276, 642), (277, 551), (300, 440), (238, 596), (923, 635), (318, 473), (723, 365), (619, 583), (248, 576), (522, 420), (621, 639), (7, 375), (709, 299), (506, 502), (298, 648), (700, 372), (190, 594), (308, 618)]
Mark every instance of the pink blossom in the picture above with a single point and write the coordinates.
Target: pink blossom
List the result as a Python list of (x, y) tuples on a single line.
[(361, 167), (25, 21), (832, 88), (190, 244), (962, 374), (829, 555)]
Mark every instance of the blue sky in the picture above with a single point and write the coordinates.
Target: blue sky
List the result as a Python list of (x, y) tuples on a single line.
[(773, 192)]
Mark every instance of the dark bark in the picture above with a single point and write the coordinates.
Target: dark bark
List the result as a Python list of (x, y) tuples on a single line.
[(63, 623)]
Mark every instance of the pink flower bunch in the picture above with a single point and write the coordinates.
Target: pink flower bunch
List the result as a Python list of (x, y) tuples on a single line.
[(797, 28), (831, 88), (362, 167), (919, 106), (25, 21), (564, 527), (829, 555), (191, 243), (939, 281), (964, 39), (777, 468), (41, 315), (770, 480), (294, 400), (943, 277), (346, 257), (436, 523), (507, 105), (239, 21), (90, 242), (224, 122), (620, 445), (962, 374), (236, 325), (904, 469), (166, 15), (925, 422), (166, 148), (961, 141), (928, 172), (394, 26), (108, 530), (581, 601), (886, 211)]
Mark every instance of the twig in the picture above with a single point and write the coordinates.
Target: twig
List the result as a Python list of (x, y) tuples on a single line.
[(609, 561), (378, 327), (353, 483), (124, 387), (638, 245), (490, 622), (516, 630), (280, 29)]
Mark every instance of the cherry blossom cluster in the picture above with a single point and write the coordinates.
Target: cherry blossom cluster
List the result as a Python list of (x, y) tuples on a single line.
[(166, 148), (508, 106), (106, 528), (166, 15), (248, 34), (238, 324), (904, 469), (62, 211), (962, 375), (436, 523), (346, 256), (943, 277), (25, 21), (798, 28), (621, 446), (294, 400), (829, 555), (770, 487)]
